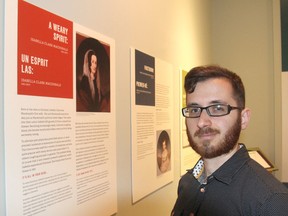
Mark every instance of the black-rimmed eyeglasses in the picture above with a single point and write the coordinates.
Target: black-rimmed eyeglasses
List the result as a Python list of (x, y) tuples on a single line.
[(215, 110)]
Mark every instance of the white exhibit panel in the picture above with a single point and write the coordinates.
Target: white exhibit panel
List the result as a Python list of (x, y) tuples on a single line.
[(59, 107), (152, 124), (283, 6)]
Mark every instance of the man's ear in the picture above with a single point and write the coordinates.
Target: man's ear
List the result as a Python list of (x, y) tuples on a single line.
[(245, 117)]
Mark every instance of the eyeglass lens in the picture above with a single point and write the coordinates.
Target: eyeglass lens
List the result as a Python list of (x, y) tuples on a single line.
[(213, 110)]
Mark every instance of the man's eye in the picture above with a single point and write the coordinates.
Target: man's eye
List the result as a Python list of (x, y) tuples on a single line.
[(194, 110), (218, 108)]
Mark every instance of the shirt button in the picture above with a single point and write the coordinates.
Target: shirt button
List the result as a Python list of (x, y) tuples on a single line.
[(202, 190)]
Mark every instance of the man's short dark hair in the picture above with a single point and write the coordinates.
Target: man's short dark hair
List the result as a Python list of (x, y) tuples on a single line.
[(202, 73)]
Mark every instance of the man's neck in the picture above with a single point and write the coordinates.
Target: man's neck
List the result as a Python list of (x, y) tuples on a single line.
[(212, 164)]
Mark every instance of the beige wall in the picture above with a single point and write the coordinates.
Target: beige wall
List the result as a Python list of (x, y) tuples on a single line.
[(246, 38), (235, 34), (243, 41)]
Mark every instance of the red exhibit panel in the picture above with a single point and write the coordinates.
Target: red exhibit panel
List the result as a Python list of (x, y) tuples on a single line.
[(45, 45)]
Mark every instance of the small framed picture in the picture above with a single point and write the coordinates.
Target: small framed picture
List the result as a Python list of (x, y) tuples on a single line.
[(257, 155)]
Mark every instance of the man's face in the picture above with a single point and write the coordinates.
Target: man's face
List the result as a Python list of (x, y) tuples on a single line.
[(213, 136)]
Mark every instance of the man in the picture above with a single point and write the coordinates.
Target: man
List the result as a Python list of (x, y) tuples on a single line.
[(225, 181)]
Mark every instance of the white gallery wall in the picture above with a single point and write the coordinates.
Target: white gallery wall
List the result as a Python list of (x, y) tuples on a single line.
[(2, 186), (186, 33), (176, 32)]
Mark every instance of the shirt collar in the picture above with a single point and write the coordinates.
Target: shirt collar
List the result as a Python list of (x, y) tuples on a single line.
[(226, 172)]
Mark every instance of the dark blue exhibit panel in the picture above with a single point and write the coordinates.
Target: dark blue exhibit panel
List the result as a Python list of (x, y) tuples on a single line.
[(144, 79)]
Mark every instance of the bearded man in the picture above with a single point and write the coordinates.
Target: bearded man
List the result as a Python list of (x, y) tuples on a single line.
[(225, 181)]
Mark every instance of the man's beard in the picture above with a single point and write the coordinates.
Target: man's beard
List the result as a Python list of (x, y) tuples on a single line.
[(207, 150)]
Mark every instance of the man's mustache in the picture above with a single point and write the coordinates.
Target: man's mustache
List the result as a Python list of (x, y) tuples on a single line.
[(205, 131)]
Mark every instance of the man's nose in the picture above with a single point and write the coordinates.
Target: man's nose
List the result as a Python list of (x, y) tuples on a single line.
[(204, 119)]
